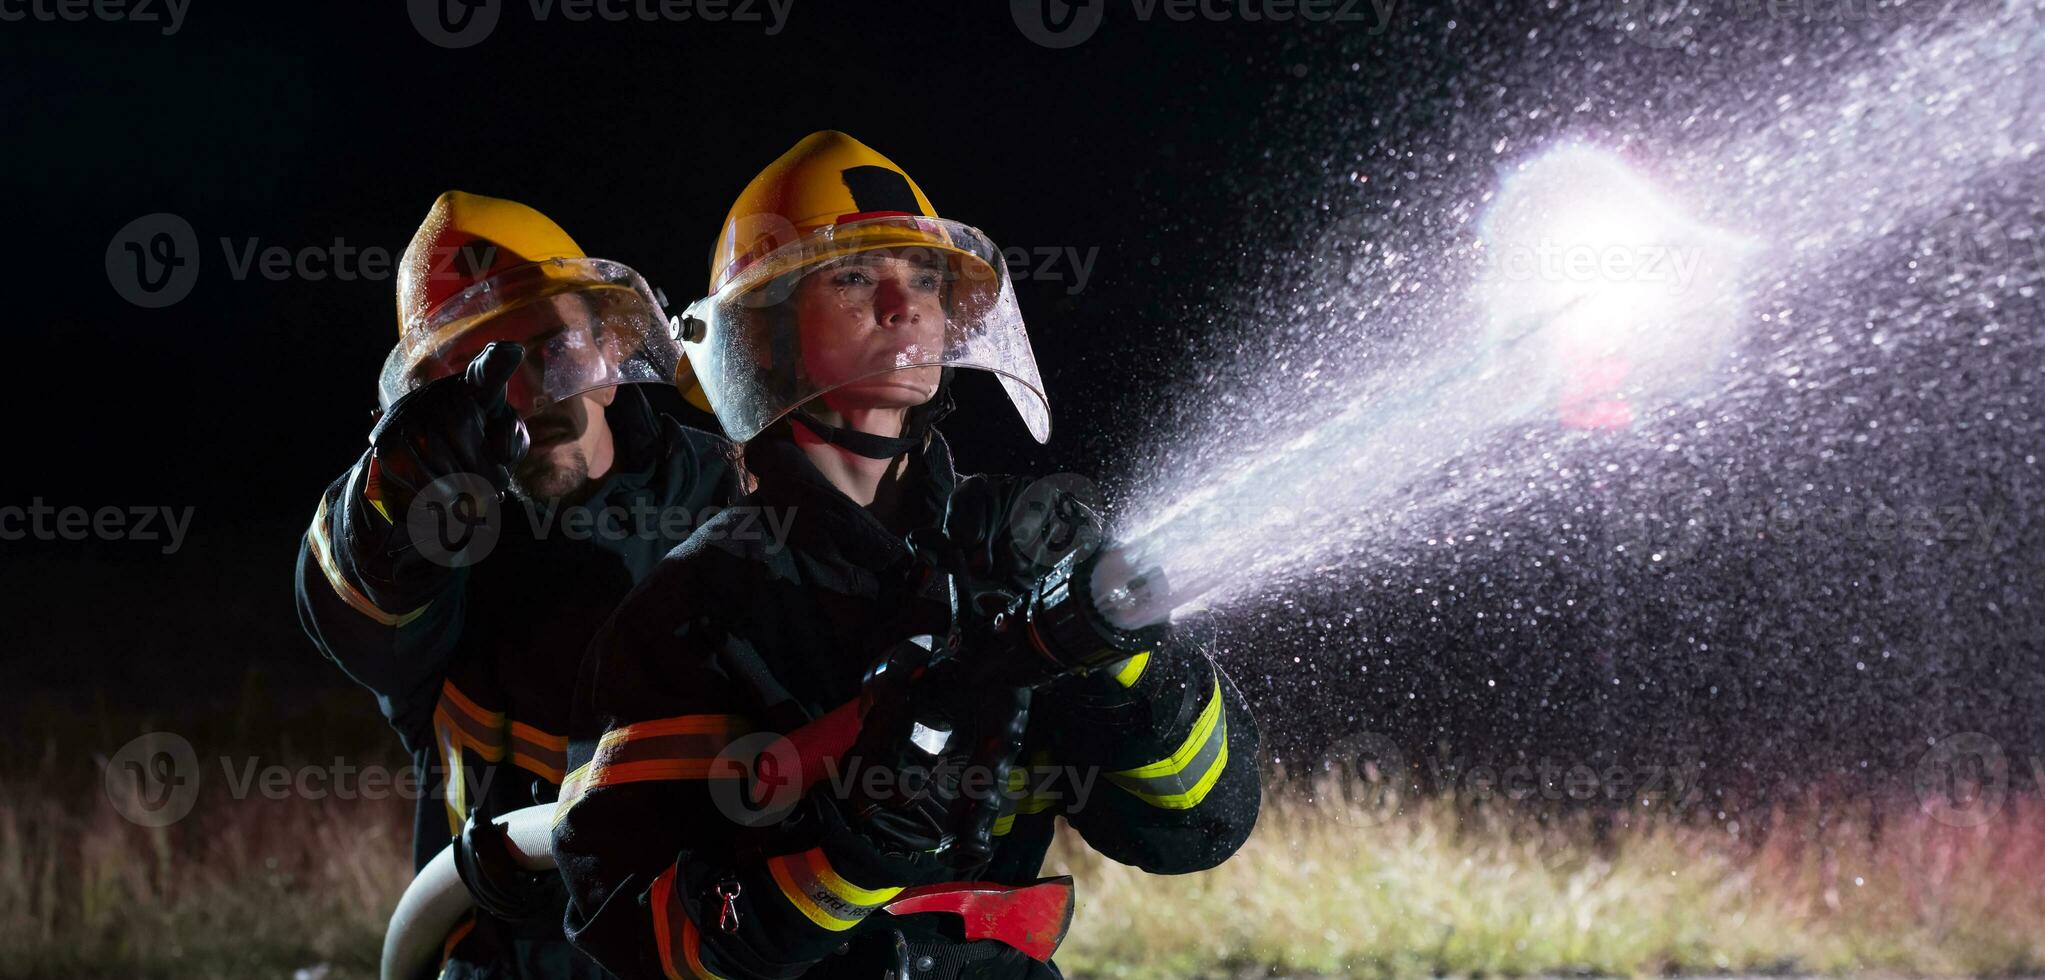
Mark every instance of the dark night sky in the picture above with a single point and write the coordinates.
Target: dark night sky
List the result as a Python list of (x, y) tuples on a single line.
[(1179, 151), (299, 125)]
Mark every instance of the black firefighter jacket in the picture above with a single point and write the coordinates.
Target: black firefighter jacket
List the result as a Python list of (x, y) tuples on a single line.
[(1154, 762), (477, 682)]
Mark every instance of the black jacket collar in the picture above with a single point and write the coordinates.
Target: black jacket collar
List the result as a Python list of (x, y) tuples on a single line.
[(829, 525)]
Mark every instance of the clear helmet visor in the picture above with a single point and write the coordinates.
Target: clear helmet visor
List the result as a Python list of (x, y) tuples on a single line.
[(861, 315), (584, 323)]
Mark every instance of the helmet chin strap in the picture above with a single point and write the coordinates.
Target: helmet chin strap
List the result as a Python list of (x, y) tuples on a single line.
[(914, 429), (854, 441)]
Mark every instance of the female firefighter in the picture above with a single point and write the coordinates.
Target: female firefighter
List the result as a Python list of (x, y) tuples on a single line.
[(840, 303)]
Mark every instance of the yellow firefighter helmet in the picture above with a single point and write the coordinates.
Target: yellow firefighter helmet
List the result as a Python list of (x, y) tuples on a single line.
[(831, 197), (482, 269)]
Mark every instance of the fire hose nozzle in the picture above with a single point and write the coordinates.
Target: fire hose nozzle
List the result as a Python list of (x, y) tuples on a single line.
[(1064, 622)]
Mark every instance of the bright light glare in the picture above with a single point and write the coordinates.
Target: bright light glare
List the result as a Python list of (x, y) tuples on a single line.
[(1618, 283)]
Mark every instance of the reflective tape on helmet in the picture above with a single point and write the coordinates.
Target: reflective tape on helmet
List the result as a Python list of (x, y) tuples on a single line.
[(810, 884), (1182, 780)]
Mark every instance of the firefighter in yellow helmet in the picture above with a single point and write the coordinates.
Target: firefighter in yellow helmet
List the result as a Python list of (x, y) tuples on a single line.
[(694, 842), (516, 485)]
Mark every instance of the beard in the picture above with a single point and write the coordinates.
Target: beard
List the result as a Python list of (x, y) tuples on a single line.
[(547, 479)]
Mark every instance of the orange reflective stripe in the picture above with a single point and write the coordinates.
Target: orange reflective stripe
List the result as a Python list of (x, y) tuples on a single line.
[(658, 769), (459, 723), (323, 552), (543, 754), (469, 725), (455, 937), (683, 747), (674, 933)]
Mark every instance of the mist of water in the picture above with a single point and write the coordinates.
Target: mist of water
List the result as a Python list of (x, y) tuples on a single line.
[(1553, 331)]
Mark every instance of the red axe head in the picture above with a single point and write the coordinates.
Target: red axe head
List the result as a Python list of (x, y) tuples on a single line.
[(1031, 918)]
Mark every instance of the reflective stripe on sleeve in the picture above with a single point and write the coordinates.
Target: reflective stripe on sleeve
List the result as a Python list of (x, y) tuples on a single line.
[(542, 754), (323, 552), (1182, 780), (1129, 671), (815, 889), (683, 747), (680, 945), (460, 723)]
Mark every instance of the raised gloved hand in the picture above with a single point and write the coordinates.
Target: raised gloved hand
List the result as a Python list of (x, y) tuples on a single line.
[(460, 424), (455, 425)]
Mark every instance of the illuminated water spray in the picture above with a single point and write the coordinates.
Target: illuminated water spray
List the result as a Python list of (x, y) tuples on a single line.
[(1597, 290), (1597, 296)]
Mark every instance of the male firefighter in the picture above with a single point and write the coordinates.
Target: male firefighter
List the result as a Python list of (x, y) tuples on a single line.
[(466, 615), (840, 305)]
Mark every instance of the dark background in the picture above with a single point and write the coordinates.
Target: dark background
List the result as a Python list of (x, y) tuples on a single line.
[(1193, 156)]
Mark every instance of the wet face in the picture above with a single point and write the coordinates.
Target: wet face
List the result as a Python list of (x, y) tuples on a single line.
[(560, 338), (557, 464), (864, 318)]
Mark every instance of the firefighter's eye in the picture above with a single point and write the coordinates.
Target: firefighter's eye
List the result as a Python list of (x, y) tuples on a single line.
[(852, 277), (927, 280)]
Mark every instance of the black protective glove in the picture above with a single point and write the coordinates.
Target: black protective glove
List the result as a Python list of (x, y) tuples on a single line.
[(930, 798), (460, 424), (500, 886), (1008, 531), (979, 525), (1007, 544)]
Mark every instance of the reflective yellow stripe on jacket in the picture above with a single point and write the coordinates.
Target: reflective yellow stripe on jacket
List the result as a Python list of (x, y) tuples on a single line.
[(1181, 781), (809, 883)]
